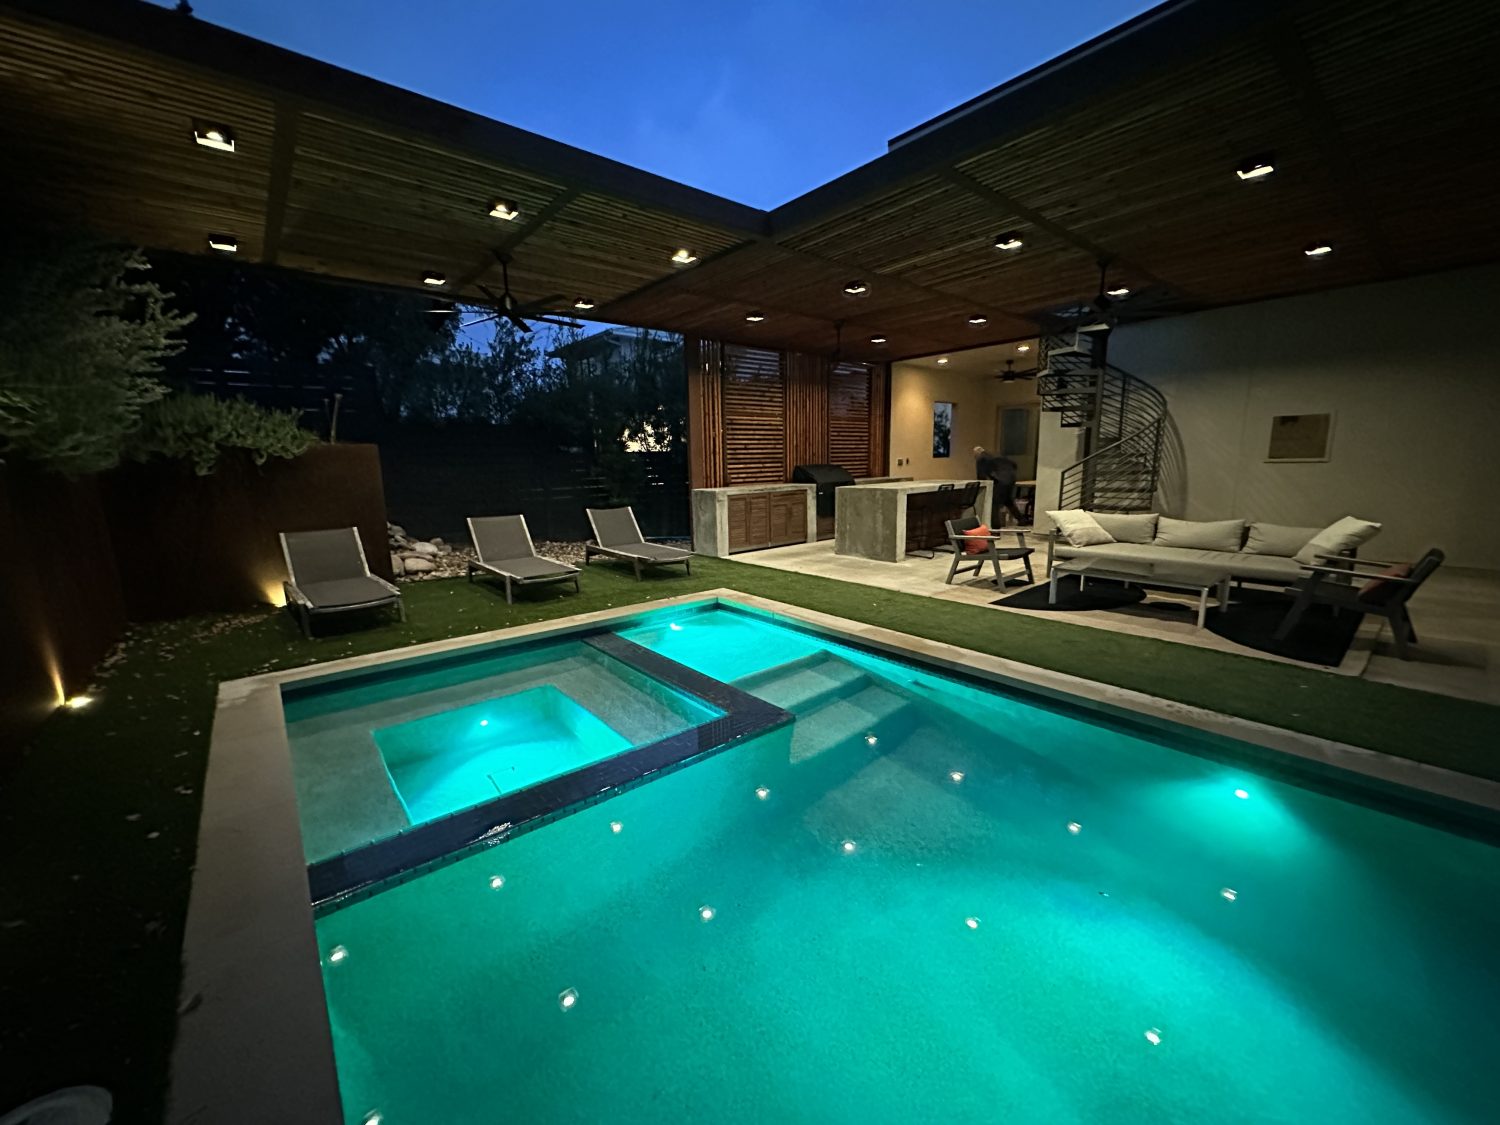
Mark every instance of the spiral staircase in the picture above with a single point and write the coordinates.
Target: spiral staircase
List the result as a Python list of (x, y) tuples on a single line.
[(1123, 419)]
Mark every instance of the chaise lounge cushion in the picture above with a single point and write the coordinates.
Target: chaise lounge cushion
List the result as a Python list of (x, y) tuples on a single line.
[(530, 567), (1278, 539), (1214, 535), (1128, 527), (344, 592), (1338, 537)]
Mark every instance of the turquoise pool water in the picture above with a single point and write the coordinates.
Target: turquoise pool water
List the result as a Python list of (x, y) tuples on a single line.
[(927, 901), (375, 754)]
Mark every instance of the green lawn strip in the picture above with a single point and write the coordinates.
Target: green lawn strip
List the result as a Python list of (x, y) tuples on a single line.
[(99, 814)]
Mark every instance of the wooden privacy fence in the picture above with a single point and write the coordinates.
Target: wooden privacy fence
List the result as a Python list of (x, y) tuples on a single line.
[(437, 476)]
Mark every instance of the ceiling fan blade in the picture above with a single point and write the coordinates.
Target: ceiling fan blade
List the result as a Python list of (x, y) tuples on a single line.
[(477, 321), (517, 321)]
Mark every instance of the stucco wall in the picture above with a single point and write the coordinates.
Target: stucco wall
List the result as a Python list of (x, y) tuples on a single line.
[(977, 399), (1407, 368)]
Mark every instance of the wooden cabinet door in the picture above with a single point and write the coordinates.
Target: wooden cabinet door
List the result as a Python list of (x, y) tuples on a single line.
[(739, 523)]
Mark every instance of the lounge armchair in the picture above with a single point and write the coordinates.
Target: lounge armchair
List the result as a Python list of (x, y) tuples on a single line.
[(504, 546), (327, 573), (618, 536), (1385, 591), (959, 536)]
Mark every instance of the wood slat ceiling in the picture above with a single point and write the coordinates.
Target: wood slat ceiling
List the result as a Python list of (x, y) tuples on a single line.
[(1384, 116)]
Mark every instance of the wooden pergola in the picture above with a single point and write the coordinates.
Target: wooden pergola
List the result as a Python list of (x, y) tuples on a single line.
[(1382, 119)]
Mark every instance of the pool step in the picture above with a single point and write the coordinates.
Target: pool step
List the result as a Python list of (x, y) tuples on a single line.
[(804, 684), (875, 709)]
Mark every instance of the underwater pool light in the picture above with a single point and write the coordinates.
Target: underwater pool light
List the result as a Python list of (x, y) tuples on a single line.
[(762, 792), (337, 954), (1074, 828), (972, 923), (1153, 1035), (496, 882), (676, 628), (615, 826), (1241, 794), (706, 913), (567, 999), (1229, 893), (956, 776), (847, 847), (871, 740), (484, 722)]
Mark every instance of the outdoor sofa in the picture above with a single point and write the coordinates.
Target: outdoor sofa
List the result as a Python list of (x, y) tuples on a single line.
[(1271, 554)]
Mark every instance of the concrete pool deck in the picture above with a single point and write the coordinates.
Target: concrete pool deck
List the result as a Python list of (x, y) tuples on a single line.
[(254, 1040)]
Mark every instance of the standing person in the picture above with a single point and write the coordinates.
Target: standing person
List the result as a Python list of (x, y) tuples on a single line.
[(1000, 470)]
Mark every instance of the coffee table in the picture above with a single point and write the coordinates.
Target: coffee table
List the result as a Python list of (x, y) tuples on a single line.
[(1200, 578)]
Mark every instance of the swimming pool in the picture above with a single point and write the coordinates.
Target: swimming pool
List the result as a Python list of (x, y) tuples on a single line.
[(925, 899)]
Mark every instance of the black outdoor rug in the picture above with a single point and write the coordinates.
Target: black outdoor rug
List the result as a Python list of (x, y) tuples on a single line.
[(1321, 637)]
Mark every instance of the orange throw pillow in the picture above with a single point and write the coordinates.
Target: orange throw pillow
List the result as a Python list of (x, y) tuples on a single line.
[(1378, 589), (976, 546)]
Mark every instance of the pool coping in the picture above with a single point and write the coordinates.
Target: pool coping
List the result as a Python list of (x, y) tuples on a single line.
[(254, 1042)]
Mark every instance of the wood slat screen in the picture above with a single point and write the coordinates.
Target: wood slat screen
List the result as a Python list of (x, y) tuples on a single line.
[(754, 416), (849, 418), (806, 411), (703, 360), (880, 421)]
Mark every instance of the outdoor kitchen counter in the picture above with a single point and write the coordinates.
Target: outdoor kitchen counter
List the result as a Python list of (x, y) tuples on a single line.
[(870, 519), (721, 517)]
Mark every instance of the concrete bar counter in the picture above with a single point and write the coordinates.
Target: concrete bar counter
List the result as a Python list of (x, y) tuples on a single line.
[(870, 519)]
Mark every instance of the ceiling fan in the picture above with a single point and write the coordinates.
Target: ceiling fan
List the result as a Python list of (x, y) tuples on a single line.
[(508, 308), (1010, 374)]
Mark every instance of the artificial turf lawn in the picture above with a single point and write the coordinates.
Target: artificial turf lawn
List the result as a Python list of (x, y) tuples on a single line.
[(98, 815)]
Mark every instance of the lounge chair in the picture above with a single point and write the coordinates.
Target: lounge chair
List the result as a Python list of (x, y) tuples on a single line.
[(504, 546), (959, 537), (1385, 591), (327, 573), (618, 536)]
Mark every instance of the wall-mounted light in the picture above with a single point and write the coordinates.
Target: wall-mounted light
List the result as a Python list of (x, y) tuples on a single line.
[(217, 137), (223, 243), (1010, 240), (684, 257), (436, 280), (504, 209), (1256, 168)]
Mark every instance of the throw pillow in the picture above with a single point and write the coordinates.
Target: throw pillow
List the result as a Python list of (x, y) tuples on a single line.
[(1130, 527), (1377, 589), (1338, 537), (1079, 528), (976, 546), (1210, 535), (1277, 539)]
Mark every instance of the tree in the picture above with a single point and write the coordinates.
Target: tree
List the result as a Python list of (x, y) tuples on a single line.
[(82, 337)]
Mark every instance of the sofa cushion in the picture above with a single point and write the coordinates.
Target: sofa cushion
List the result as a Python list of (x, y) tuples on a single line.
[(1338, 537), (1277, 539), (1270, 569), (1214, 535), (1079, 528), (1129, 527)]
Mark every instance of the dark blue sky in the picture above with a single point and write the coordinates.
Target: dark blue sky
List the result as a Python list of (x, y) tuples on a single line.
[(758, 101)]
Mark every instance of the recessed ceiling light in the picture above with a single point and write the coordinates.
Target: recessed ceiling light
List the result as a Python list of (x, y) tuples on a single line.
[(224, 243), (434, 279), (855, 288), (877, 339), (1010, 240), (219, 137), (1256, 168), (755, 317), (684, 257), (1023, 347), (942, 359), (583, 303), (979, 318), (504, 209), (1317, 249), (1119, 291)]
